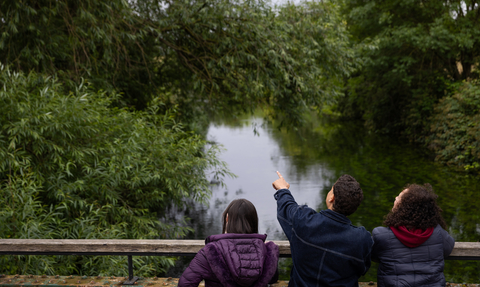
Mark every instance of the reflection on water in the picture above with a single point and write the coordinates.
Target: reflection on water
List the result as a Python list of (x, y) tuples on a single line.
[(312, 159)]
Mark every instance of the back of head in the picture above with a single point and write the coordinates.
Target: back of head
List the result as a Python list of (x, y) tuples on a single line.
[(418, 209), (348, 195), (242, 217)]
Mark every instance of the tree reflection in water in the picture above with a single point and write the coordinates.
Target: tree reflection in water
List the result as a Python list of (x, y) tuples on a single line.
[(312, 158)]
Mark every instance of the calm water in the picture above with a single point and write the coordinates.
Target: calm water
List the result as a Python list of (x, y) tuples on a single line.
[(313, 158)]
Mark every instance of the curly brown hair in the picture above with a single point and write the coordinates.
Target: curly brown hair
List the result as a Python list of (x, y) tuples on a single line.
[(417, 209), (348, 195)]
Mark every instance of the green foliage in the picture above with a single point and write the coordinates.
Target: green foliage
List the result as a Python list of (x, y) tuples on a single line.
[(455, 130), (103, 41), (72, 167), (75, 164), (222, 56), (411, 52), (328, 148), (316, 40)]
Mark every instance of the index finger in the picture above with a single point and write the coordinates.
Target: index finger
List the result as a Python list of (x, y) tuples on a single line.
[(279, 175)]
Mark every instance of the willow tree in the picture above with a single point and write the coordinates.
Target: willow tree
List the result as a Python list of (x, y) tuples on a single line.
[(412, 52), (104, 161), (207, 56), (72, 167)]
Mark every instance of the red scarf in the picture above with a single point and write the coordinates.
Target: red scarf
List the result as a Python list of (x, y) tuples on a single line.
[(412, 238)]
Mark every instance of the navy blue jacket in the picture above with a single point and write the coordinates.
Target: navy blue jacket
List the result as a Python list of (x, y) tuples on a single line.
[(327, 250), (404, 266)]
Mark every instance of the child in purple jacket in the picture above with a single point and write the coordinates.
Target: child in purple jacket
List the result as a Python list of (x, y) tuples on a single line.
[(238, 257)]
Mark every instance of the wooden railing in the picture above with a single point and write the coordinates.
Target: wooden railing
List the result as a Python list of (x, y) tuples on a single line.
[(461, 251)]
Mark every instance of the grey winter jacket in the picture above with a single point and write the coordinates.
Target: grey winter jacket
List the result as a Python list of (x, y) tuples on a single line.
[(232, 260), (404, 266)]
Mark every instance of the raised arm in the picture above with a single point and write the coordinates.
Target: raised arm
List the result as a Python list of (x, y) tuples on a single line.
[(286, 205)]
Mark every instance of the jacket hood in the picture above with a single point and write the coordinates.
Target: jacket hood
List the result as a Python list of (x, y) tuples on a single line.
[(412, 238), (242, 259)]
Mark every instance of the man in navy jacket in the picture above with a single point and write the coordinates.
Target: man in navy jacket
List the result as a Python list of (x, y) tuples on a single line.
[(327, 250)]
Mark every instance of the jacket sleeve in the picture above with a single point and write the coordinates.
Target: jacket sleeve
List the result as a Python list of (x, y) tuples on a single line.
[(196, 271), (290, 213), (448, 243), (274, 278), (286, 208), (367, 261), (270, 266), (271, 261), (376, 243)]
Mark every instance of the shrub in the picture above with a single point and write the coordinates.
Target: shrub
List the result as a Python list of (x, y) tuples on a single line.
[(455, 128), (72, 167)]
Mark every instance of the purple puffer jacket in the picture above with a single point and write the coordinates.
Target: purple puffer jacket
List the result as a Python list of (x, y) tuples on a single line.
[(233, 260)]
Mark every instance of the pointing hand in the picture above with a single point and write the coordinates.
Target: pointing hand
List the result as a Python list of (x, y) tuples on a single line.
[(280, 183)]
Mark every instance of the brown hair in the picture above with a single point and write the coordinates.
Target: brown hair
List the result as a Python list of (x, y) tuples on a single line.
[(348, 195), (417, 209), (242, 217)]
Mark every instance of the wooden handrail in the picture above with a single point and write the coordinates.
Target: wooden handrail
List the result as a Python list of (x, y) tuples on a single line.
[(462, 250)]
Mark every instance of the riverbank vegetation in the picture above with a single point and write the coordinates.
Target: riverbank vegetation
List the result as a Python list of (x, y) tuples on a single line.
[(419, 74), (73, 167), (203, 56), (104, 103)]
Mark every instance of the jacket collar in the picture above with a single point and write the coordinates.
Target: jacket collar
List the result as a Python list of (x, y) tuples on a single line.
[(336, 216), (217, 237), (412, 238)]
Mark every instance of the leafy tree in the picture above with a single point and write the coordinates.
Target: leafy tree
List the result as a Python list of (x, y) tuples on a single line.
[(455, 133), (72, 167), (77, 163), (411, 52), (204, 56), (104, 41)]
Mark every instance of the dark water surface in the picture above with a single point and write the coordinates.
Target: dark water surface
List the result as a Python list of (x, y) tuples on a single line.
[(313, 158)]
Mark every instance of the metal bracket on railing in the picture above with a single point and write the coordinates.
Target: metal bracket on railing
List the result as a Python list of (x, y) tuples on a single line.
[(131, 279)]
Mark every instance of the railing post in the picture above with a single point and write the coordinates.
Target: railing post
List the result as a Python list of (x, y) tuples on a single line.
[(130, 267), (131, 279)]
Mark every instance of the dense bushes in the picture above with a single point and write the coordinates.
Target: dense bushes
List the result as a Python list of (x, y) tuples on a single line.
[(414, 55), (455, 128), (73, 167)]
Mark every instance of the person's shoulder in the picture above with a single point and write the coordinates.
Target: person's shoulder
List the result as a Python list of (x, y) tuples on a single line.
[(362, 231), (382, 237), (272, 248), (363, 235), (380, 230), (305, 214), (439, 228), (440, 232)]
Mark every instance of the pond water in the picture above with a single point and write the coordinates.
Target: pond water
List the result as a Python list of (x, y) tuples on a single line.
[(312, 158)]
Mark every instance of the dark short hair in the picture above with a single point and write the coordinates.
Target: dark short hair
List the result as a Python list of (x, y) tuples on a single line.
[(242, 217), (348, 195), (417, 209)]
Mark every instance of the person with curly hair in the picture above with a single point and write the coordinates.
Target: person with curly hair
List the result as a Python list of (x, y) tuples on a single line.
[(412, 248), (327, 249)]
